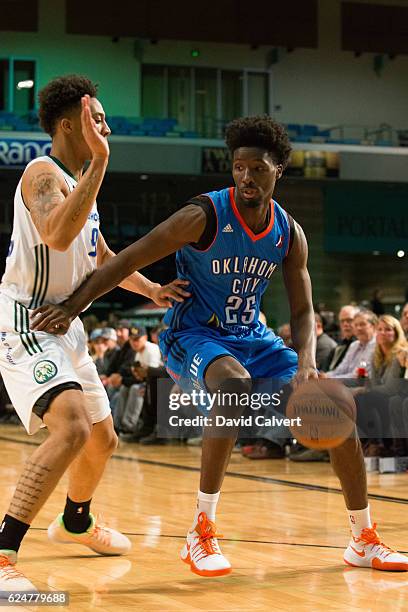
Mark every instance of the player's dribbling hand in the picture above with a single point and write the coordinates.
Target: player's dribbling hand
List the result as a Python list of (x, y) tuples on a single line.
[(93, 138), (51, 318), (173, 291), (304, 374)]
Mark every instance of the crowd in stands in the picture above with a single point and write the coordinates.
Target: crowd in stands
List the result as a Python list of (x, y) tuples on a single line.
[(369, 353)]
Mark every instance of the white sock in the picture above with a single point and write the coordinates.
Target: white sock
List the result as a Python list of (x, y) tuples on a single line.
[(359, 519), (206, 502)]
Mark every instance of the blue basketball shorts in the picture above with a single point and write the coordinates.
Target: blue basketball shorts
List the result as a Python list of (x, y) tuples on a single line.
[(188, 353)]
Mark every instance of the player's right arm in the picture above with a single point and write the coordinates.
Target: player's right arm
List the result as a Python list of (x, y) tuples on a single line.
[(59, 215), (184, 227)]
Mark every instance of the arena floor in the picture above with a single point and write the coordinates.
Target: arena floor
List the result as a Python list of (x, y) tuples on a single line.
[(284, 524)]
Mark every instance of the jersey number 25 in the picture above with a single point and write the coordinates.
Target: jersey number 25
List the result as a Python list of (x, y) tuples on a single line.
[(233, 305)]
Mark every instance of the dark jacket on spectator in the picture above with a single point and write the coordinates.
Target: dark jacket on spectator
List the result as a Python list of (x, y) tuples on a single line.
[(123, 356), (103, 364), (324, 346)]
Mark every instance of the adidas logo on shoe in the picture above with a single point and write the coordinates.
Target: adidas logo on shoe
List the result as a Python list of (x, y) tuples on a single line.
[(228, 229)]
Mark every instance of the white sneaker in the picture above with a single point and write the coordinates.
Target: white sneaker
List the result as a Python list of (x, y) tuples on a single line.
[(11, 579), (103, 540), (368, 551), (202, 552)]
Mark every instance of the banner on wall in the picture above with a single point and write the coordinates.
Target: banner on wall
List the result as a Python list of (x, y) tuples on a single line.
[(305, 164), (16, 152), (364, 219)]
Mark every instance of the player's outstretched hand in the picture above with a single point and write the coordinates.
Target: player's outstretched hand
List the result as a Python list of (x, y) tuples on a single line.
[(51, 318), (175, 290), (95, 141)]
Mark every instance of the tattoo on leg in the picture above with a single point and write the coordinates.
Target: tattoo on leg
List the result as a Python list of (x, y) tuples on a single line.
[(29, 489)]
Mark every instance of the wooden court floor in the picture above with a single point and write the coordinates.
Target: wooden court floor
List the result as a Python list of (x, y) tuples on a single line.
[(284, 529)]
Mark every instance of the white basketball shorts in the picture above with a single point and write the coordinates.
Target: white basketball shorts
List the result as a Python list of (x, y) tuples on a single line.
[(33, 363)]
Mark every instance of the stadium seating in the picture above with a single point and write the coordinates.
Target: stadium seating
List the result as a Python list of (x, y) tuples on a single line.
[(156, 127)]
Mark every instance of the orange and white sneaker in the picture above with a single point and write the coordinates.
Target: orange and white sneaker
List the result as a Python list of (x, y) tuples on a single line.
[(101, 539), (368, 551), (202, 552), (11, 579)]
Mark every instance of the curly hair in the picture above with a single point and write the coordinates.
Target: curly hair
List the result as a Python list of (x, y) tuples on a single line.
[(259, 131), (60, 95)]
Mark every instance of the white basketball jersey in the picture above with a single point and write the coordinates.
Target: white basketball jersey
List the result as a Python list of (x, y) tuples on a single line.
[(36, 274)]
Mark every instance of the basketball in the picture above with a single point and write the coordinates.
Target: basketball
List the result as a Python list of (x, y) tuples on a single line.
[(322, 413)]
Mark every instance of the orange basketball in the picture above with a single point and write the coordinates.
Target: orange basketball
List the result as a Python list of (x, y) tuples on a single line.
[(322, 413)]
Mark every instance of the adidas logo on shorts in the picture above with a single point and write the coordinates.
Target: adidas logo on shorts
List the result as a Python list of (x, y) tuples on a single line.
[(228, 229)]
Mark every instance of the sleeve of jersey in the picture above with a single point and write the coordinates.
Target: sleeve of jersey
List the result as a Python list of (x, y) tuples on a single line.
[(210, 230)]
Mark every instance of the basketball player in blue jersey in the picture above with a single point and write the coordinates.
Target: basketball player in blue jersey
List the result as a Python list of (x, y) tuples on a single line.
[(55, 244), (228, 244)]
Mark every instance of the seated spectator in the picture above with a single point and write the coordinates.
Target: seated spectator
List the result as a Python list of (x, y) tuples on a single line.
[(155, 332), (285, 333), (123, 355), (145, 431), (324, 344), (360, 353), (404, 319), (111, 339), (104, 348), (399, 409), (373, 412), (97, 348), (347, 337), (122, 328), (130, 400)]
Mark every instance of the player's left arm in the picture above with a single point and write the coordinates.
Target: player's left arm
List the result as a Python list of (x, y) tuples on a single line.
[(299, 289), (137, 283)]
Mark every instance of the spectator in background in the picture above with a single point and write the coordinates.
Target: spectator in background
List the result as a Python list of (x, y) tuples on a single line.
[(347, 337), (376, 304), (125, 354), (155, 331), (404, 319), (398, 407), (147, 354), (130, 400), (145, 431), (285, 333), (122, 331), (386, 372), (97, 348), (104, 348), (111, 339), (360, 353), (324, 344)]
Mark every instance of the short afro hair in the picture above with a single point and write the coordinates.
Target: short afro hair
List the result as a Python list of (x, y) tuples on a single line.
[(262, 132), (62, 94)]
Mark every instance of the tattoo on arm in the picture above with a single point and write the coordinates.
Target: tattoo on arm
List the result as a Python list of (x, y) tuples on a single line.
[(46, 195), (84, 199)]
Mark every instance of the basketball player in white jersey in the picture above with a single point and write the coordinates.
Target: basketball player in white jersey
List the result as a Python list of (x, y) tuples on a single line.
[(52, 380)]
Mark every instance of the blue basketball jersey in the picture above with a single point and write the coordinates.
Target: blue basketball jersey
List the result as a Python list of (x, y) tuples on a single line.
[(228, 279)]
